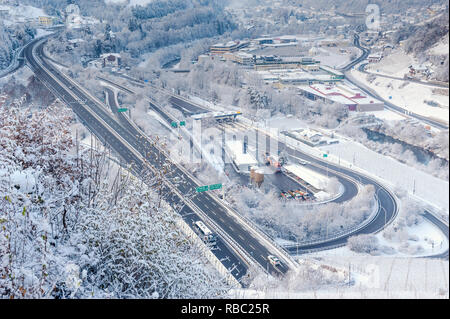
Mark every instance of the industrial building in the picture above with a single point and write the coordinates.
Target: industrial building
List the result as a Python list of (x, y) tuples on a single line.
[(232, 46), (274, 62), (306, 75), (342, 94), (240, 57)]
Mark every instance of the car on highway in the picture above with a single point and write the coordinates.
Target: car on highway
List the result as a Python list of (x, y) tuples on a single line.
[(302, 162), (274, 261)]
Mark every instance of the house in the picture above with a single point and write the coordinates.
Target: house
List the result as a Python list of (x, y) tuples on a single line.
[(374, 57), (110, 59)]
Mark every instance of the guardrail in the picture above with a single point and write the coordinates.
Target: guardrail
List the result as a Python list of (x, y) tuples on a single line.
[(339, 235), (359, 172), (245, 221)]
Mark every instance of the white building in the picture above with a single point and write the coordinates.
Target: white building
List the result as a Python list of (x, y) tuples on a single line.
[(243, 161), (344, 94)]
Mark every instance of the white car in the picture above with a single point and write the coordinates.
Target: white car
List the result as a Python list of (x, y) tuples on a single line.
[(302, 162), (274, 260)]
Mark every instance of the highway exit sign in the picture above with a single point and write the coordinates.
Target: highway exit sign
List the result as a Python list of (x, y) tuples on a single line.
[(215, 186), (182, 123), (202, 189), (122, 110), (174, 124), (325, 155)]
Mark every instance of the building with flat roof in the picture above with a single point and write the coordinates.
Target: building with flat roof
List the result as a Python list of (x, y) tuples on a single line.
[(274, 62), (231, 46), (242, 161), (343, 94)]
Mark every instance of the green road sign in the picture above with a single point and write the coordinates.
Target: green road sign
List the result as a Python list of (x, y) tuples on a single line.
[(182, 123), (202, 189), (215, 186), (122, 110), (325, 155), (174, 124)]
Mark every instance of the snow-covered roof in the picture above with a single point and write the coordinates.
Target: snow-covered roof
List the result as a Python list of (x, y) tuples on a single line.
[(315, 179), (236, 148), (341, 93)]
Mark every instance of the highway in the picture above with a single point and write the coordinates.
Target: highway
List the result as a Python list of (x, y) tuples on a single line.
[(388, 206), (135, 149), (386, 212)]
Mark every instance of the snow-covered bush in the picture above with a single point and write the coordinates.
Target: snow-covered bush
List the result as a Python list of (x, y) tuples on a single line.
[(289, 219), (86, 228), (363, 243)]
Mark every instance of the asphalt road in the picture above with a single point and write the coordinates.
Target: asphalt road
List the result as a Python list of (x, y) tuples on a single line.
[(204, 201), (386, 212), (220, 249), (388, 206)]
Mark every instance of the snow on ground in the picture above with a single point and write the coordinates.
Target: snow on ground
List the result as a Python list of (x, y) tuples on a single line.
[(23, 11), (41, 32), (131, 2), (428, 188), (395, 64), (429, 237), (440, 48), (333, 58), (373, 277), (207, 104), (20, 75), (282, 122), (387, 115), (411, 97)]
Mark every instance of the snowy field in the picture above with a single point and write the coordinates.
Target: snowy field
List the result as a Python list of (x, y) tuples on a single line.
[(333, 58), (130, 2), (428, 188), (411, 96), (372, 277), (428, 236), (395, 64), (17, 13)]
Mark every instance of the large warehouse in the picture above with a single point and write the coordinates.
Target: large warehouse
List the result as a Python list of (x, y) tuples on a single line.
[(343, 94)]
